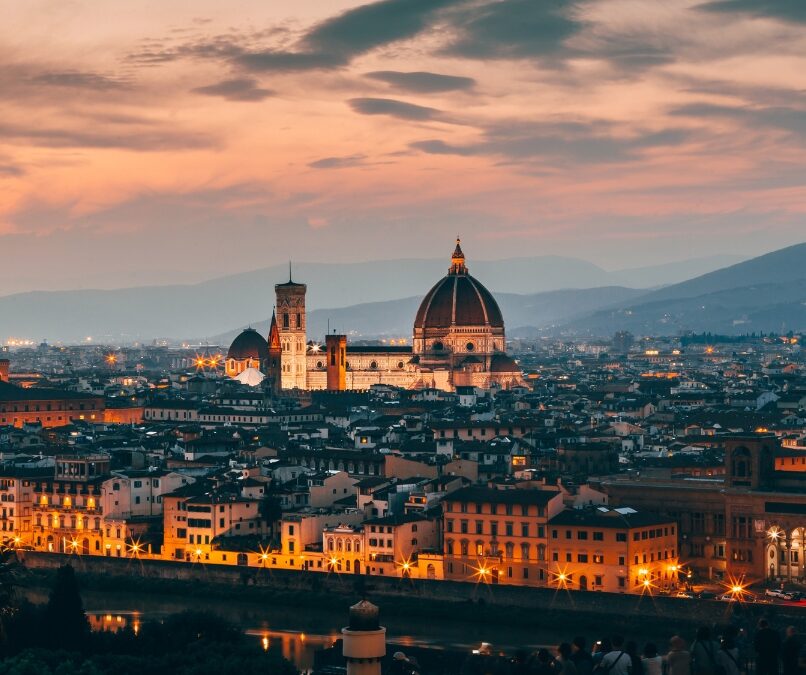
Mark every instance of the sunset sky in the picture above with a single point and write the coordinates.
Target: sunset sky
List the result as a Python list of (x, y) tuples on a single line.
[(144, 142)]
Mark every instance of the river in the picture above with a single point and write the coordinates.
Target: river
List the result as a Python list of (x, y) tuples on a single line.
[(297, 633)]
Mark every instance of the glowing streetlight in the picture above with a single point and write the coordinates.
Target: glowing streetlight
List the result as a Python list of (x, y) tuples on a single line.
[(775, 533)]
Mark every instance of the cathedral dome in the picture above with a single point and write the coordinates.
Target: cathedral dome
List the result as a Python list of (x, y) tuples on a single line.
[(249, 345), (458, 300)]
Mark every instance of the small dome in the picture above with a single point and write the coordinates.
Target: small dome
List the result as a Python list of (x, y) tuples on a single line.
[(249, 345), (501, 363)]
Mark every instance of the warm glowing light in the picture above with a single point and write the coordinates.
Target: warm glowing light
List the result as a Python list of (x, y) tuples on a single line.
[(643, 572), (709, 350), (775, 533), (737, 588), (136, 548), (198, 553), (111, 359), (333, 561), (265, 642)]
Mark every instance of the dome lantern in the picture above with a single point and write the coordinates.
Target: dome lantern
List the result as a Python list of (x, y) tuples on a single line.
[(458, 260)]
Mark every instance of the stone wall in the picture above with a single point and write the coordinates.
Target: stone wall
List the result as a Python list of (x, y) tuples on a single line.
[(424, 591)]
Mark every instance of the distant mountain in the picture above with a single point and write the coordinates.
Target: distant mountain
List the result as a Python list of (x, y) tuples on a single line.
[(767, 293), (672, 273), (523, 314), (212, 307)]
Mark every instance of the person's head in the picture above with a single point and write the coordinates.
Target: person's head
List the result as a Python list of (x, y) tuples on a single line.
[(791, 631), (703, 633), (677, 644), (399, 656), (617, 642), (543, 655), (578, 643), (564, 650), (763, 623), (605, 645), (650, 650)]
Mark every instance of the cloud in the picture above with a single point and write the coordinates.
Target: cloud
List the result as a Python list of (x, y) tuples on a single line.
[(243, 89), (362, 29), (561, 143), (11, 170), (336, 41), (421, 82), (393, 108), (790, 120), (786, 10), (332, 43), (79, 80), (511, 29), (142, 139), (338, 162)]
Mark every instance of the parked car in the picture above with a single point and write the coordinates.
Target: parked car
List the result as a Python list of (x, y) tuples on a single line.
[(781, 594), (685, 594), (737, 597)]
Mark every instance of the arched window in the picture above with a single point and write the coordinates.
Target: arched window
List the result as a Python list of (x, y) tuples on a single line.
[(330, 544), (525, 551), (414, 528), (741, 466), (464, 547), (349, 546), (509, 550), (541, 551), (338, 545), (437, 346), (449, 546), (358, 547)]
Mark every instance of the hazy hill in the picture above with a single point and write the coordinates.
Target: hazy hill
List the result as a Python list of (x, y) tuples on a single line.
[(767, 293), (394, 318), (212, 307)]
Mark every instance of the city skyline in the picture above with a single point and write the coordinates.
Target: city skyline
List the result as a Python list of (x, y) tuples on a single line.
[(143, 147)]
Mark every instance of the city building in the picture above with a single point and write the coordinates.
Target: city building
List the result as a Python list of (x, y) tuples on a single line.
[(458, 341)]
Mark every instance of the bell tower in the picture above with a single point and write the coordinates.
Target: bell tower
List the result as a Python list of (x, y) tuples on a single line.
[(291, 329), (274, 363)]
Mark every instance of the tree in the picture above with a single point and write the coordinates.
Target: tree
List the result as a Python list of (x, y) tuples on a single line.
[(65, 619)]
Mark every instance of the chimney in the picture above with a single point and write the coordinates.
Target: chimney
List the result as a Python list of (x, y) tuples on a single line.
[(4, 367)]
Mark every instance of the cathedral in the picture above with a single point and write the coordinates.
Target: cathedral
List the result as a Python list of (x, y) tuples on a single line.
[(458, 340)]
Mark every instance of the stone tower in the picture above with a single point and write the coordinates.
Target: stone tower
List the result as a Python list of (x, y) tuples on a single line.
[(291, 328), (336, 346), (274, 371)]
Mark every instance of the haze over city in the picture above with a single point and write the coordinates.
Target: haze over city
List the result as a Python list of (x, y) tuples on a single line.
[(144, 144)]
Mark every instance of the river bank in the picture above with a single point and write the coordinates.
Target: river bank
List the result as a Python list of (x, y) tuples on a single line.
[(448, 612)]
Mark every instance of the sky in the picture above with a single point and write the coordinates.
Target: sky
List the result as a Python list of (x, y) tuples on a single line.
[(147, 141)]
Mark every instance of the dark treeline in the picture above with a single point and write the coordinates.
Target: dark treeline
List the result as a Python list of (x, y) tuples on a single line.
[(56, 639)]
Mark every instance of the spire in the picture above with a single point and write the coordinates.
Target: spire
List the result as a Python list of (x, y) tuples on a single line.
[(274, 332), (289, 272), (458, 259)]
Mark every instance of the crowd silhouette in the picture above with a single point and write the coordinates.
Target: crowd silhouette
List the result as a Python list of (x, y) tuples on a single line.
[(730, 651)]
